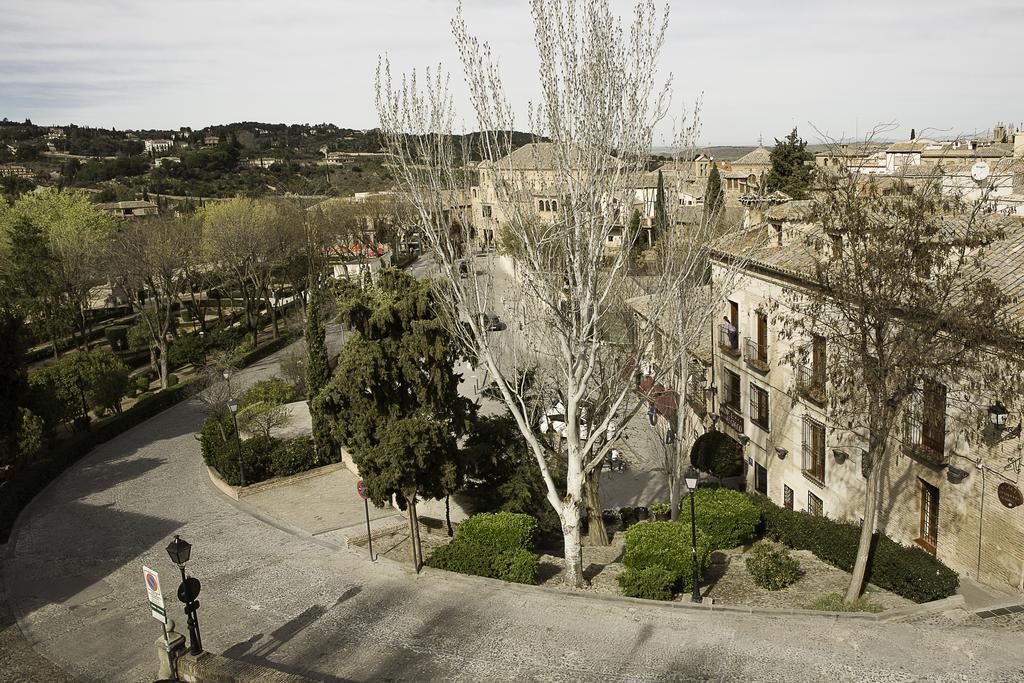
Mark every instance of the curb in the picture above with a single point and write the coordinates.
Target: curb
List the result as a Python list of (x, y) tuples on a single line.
[(238, 492)]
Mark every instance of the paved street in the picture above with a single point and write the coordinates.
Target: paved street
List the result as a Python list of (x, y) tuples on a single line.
[(73, 576)]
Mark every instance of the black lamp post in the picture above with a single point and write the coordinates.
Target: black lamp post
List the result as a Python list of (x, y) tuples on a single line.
[(80, 383), (691, 485), (188, 592), (202, 344), (998, 414), (233, 406)]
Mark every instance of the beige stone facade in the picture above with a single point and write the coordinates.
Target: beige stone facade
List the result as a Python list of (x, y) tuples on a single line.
[(947, 491)]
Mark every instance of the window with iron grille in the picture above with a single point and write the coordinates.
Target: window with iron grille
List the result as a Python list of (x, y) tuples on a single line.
[(929, 527), (759, 407), (814, 505), (787, 497), (731, 389), (814, 449)]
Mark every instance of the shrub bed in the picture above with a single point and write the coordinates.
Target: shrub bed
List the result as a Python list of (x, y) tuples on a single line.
[(771, 568), (666, 545), (728, 518), (906, 571), (653, 583), (497, 545)]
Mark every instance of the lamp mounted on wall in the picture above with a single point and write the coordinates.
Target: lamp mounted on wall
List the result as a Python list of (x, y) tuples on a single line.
[(999, 415), (744, 439), (781, 452), (839, 455)]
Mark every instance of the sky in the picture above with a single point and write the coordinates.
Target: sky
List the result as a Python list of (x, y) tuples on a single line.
[(832, 68)]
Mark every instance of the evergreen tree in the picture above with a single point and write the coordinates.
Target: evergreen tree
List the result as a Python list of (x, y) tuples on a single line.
[(714, 197), (913, 134), (394, 399), (318, 373), (660, 226), (789, 173)]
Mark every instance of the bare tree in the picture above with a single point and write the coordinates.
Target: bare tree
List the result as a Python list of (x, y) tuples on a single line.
[(150, 260), (898, 285), (598, 105)]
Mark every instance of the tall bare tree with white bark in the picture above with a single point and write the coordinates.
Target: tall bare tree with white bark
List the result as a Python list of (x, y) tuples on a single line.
[(572, 335)]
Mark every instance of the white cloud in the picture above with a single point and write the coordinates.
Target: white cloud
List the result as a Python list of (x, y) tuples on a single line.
[(762, 66)]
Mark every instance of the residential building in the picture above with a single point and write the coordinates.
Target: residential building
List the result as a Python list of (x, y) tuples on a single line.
[(157, 146), (15, 170), (261, 162), (943, 487), (130, 209)]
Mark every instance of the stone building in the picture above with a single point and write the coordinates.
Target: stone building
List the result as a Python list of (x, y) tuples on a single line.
[(954, 482)]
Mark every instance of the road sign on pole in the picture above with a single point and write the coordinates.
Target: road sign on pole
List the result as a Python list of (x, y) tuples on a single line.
[(156, 596), (361, 490)]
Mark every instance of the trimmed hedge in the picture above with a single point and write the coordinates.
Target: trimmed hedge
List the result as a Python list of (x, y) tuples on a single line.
[(907, 571), (771, 568), (728, 518), (668, 545), (653, 583), (497, 545)]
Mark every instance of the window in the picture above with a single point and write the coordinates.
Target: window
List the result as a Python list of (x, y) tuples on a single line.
[(760, 479), (929, 528), (933, 423), (540, 204), (787, 497), (814, 505), (486, 210), (759, 407), (814, 449), (731, 389), (554, 205)]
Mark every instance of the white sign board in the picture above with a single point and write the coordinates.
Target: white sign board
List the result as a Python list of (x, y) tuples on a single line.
[(156, 596)]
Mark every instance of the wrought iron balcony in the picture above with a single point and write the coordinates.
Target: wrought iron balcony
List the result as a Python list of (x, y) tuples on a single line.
[(755, 355), (810, 382), (729, 342), (925, 443)]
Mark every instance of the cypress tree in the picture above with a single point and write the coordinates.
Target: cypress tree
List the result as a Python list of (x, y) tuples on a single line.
[(318, 373), (714, 197), (790, 171), (660, 211)]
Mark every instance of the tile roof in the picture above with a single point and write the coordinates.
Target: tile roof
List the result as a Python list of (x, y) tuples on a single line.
[(759, 156)]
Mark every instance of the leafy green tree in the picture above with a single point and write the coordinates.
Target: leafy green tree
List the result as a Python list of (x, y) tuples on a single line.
[(790, 173), (714, 197), (318, 372), (31, 434), (106, 378), (394, 399)]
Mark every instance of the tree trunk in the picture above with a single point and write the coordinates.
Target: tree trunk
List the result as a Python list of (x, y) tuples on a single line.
[(867, 529), (596, 533), (273, 315), (411, 514), (163, 363), (83, 336), (570, 515), (448, 515), (673, 497)]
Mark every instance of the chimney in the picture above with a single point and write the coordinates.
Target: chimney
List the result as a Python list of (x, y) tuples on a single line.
[(1018, 144)]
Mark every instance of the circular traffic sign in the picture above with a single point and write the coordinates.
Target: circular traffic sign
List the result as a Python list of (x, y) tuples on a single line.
[(361, 490), (151, 581)]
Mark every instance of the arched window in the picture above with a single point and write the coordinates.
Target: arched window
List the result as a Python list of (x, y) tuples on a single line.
[(554, 205)]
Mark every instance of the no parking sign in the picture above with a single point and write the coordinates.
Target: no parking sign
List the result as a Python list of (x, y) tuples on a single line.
[(156, 596)]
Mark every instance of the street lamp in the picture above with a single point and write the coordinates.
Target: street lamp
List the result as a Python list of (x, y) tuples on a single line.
[(179, 551), (998, 414), (233, 406), (691, 484), (202, 344)]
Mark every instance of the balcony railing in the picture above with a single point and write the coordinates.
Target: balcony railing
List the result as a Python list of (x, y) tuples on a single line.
[(729, 342), (755, 355), (810, 381), (924, 443)]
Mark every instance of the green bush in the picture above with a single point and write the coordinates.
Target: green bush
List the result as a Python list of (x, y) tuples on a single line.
[(668, 545), (907, 571), (498, 531), (117, 337), (716, 453), (497, 545), (172, 380), (516, 566), (275, 391), (291, 456), (186, 349), (727, 517), (652, 583), (31, 434), (243, 349), (141, 383), (771, 568), (660, 509), (833, 602)]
